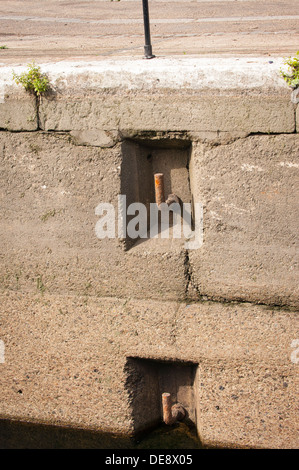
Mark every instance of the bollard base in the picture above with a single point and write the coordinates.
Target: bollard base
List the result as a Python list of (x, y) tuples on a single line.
[(148, 53)]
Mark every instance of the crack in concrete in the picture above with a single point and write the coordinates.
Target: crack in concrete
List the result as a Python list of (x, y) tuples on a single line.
[(189, 279)]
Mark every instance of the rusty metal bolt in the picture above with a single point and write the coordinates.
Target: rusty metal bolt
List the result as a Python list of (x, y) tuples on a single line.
[(159, 192), (166, 406), (159, 188), (171, 413)]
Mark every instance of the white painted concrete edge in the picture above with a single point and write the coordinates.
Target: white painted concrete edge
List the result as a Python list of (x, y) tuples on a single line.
[(242, 73)]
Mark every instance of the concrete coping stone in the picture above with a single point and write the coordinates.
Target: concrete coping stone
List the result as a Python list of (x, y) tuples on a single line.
[(241, 73)]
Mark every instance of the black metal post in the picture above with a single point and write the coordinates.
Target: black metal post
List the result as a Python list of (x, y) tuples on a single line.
[(148, 47)]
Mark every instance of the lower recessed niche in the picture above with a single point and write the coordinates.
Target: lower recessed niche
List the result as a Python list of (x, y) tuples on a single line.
[(147, 379)]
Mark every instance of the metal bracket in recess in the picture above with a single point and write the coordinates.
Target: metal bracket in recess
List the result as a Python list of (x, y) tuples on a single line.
[(159, 192), (171, 413)]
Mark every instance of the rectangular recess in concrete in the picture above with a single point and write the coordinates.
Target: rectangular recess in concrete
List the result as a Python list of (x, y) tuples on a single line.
[(147, 379), (142, 159)]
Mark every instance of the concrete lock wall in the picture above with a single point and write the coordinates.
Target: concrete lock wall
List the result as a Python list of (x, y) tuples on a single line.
[(95, 330)]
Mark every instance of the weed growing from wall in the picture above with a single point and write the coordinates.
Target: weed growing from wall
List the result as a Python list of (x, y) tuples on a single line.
[(292, 75), (33, 80)]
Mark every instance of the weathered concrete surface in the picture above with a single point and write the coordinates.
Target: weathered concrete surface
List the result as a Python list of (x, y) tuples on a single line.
[(249, 189), (66, 355), (17, 109), (139, 95), (75, 308), (50, 191), (51, 188), (195, 113), (220, 95), (246, 382)]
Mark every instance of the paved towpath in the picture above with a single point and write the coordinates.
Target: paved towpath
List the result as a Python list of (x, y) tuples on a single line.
[(72, 30)]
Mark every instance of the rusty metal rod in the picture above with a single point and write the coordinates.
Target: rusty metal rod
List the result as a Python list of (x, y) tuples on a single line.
[(160, 194), (159, 188), (171, 413), (166, 407)]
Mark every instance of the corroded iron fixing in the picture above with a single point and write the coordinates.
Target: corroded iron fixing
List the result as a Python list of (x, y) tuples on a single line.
[(171, 413), (159, 191), (159, 188)]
